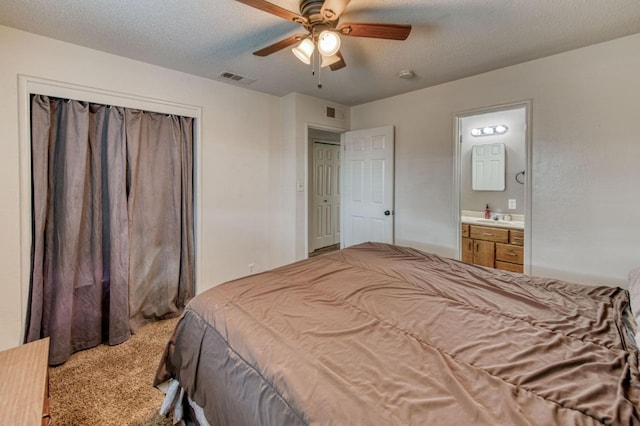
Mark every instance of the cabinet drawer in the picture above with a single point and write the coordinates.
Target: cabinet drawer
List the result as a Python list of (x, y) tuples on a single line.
[(465, 230), (512, 267), (516, 237), (509, 253), (486, 233)]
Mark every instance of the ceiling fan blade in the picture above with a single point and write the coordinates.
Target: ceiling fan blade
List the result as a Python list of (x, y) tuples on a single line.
[(386, 31), (338, 65), (282, 44), (273, 9), (332, 9)]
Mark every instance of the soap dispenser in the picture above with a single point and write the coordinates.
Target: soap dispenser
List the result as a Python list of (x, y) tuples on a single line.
[(487, 212)]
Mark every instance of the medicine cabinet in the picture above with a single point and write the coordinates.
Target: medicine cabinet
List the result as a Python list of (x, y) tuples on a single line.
[(488, 167)]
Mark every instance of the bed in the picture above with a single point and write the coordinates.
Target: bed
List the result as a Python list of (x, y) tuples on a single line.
[(378, 334)]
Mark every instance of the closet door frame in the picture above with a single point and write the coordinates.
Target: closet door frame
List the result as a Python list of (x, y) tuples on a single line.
[(28, 85)]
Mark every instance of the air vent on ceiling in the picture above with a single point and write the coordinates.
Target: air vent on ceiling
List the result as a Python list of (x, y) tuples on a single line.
[(236, 78), (333, 112)]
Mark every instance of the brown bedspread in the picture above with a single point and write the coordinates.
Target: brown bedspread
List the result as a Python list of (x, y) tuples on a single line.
[(385, 335)]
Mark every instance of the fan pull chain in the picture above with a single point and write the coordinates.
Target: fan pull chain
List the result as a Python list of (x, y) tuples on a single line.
[(319, 69), (313, 55), (319, 60)]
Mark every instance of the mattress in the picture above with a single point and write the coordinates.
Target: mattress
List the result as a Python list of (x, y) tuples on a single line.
[(381, 334)]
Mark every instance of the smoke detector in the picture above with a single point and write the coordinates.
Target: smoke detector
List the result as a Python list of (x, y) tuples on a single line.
[(406, 74)]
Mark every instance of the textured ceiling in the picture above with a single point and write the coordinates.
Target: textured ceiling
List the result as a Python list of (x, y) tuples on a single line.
[(450, 39)]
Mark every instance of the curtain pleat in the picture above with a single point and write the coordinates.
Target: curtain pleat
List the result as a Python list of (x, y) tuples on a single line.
[(110, 129), (112, 240), (187, 260), (155, 150)]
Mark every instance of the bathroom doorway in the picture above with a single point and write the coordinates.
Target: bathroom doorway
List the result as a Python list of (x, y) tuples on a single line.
[(492, 153)]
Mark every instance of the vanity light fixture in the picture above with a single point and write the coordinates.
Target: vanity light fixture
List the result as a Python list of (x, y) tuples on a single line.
[(490, 130)]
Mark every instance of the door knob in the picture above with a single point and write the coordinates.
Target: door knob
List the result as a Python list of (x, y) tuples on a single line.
[(387, 212)]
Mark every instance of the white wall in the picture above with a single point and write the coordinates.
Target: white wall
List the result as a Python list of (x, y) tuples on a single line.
[(586, 158), (241, 145)]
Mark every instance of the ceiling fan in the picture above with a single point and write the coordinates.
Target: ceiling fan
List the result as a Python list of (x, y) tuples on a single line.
[(321, 20)]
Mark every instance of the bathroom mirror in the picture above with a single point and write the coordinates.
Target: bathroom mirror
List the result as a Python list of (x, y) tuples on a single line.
[(488, 167)]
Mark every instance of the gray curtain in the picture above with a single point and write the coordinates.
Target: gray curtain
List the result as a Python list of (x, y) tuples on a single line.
[(112, 226), (159, 152)]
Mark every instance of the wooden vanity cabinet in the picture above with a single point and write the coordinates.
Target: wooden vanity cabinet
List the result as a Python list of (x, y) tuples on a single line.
[(499, 248)]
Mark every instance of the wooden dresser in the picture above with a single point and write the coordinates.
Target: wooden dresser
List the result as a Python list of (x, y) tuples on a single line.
[(24, 384), (500, 248)]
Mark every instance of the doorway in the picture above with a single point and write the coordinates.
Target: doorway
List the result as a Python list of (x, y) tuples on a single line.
[(492, 155), (363, 186), (324, 190)]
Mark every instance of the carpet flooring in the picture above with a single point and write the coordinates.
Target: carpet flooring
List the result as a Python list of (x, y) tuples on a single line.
[(112, 385), (324, 250)]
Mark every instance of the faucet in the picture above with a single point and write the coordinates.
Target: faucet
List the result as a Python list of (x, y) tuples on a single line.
[(496, 217)]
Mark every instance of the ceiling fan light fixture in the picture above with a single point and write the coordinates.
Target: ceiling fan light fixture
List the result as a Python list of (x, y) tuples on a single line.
[(328, 43), (304, 50), (329, 60)]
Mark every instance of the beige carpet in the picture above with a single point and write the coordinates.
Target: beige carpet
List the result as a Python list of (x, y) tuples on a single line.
[(111, 385), (324, 250)]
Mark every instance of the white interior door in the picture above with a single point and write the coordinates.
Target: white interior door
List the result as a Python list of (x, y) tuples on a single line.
[(367, 191), (326, 195)]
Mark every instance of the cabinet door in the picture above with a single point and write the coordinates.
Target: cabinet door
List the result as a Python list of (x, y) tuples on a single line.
[(467, 250), (484, 253)]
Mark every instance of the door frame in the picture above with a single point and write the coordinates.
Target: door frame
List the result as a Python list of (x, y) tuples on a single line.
[(528, 106), (307, 177), (28, 85), (310, 177)]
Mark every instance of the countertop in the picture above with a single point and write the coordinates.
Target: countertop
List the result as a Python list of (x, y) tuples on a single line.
[(477, 218)]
